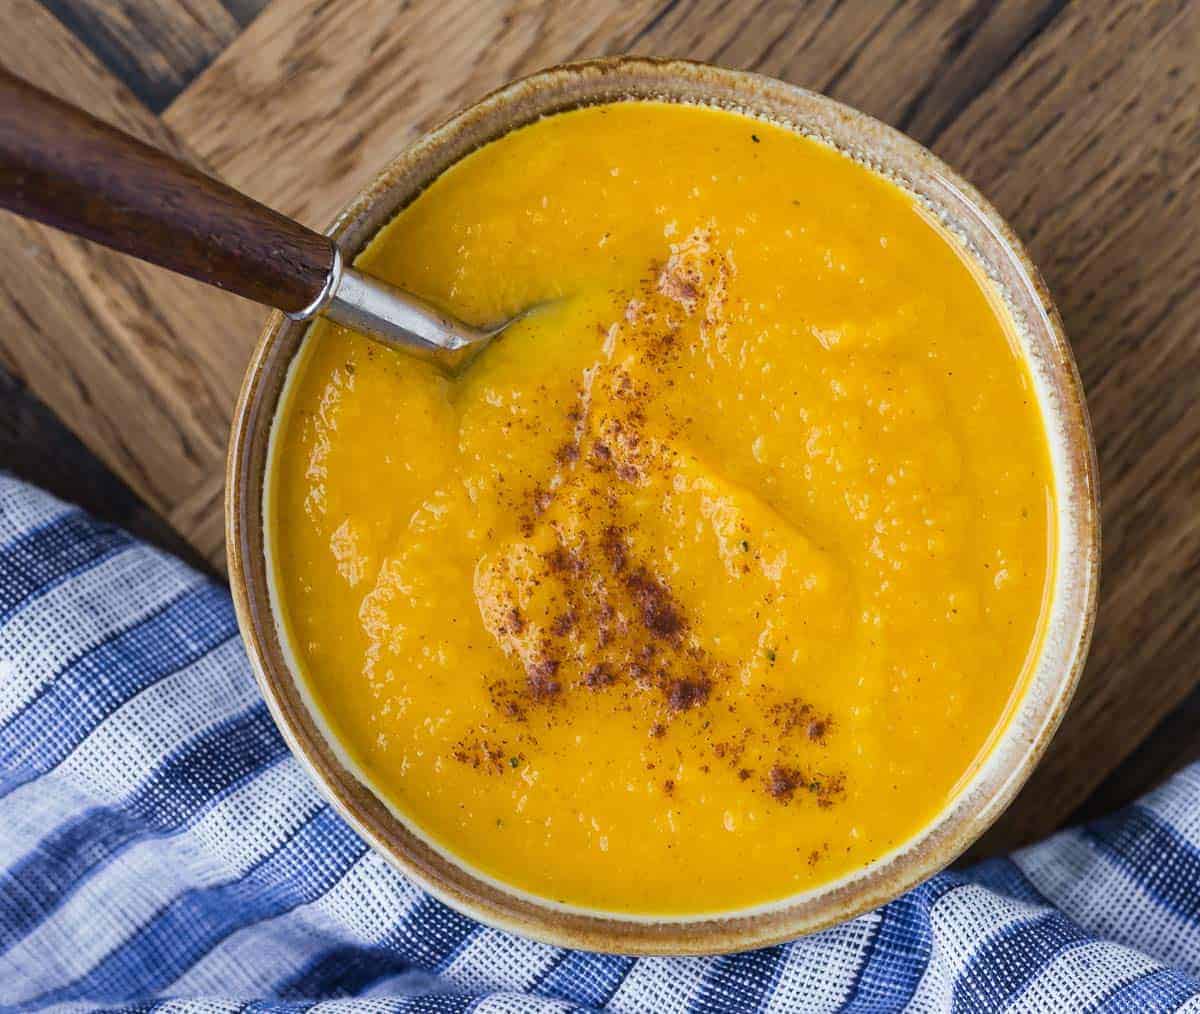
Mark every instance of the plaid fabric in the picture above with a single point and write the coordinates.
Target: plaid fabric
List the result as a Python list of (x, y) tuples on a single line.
[(159, 847)]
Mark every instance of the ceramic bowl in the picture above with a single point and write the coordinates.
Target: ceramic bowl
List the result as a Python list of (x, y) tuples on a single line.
[(997, 251)]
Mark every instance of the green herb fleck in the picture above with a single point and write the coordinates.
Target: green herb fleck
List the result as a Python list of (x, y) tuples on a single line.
[(514, 762), (771, 655)]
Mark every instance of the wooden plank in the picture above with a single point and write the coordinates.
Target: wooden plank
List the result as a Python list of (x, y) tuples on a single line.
[(245, 11), (145, 366), (202, 516), (1169, 748), (155, 47), (37, 447), (1090, 145)]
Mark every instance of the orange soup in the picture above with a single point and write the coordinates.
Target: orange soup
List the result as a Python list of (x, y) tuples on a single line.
[(714, 578)]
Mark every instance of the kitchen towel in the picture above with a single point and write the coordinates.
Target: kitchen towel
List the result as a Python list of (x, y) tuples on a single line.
[(159, 847)]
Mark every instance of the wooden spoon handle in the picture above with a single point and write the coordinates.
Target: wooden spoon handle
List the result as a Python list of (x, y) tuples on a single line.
[(64, 167)]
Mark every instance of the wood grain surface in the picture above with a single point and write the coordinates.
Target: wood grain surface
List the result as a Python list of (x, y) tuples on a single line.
[(155, 47), (36, 445), (142, 364), (1080, 121)]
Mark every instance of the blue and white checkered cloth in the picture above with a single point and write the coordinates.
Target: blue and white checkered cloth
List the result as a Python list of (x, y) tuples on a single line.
[(160, 847)]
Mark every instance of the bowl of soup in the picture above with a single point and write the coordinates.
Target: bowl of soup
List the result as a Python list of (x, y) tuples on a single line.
[(734, 590)]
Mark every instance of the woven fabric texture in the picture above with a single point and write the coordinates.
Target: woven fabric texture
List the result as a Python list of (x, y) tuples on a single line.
[(160, 847)]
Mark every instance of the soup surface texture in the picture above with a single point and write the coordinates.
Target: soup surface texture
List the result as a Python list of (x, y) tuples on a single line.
[(715, 577)]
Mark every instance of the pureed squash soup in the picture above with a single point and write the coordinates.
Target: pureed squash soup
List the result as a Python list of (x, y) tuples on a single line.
[(715, 578)]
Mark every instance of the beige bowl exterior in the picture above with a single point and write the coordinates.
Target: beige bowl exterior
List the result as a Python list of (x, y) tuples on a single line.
[(1072, 607)]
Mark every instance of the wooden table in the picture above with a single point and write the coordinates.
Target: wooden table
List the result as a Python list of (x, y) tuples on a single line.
[(1080, 121)]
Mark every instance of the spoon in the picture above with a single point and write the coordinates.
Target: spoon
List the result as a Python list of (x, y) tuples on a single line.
[(62, 166)]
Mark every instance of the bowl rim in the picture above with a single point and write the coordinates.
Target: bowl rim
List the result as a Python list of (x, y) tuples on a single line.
[(1044, 699)]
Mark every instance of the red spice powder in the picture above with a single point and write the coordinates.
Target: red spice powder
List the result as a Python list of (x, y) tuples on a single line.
[(592, 613)]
